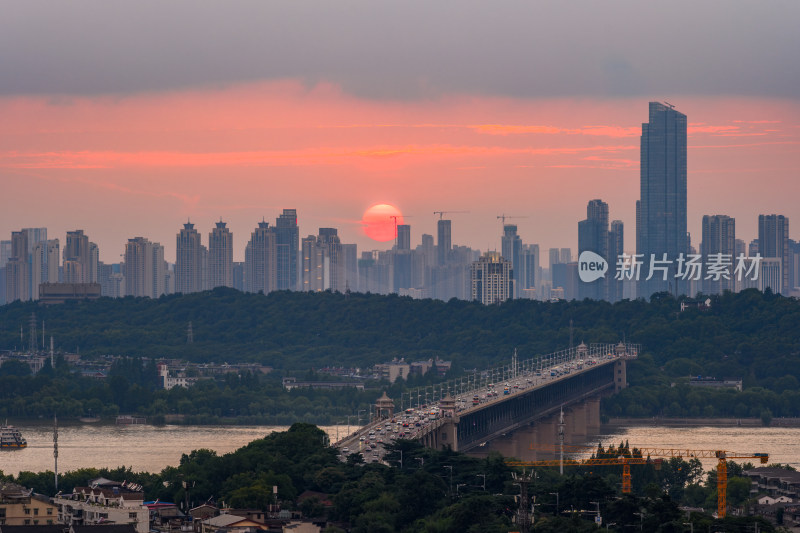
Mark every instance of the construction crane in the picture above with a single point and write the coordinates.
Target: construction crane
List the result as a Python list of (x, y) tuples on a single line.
[(503, 217), (442, 213), (722, 457)]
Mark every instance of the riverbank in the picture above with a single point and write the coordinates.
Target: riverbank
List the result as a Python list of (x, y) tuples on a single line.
[(700, 422)]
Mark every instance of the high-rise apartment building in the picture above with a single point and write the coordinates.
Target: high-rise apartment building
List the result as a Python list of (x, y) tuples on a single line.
[(491, 279), (530, 275), (718, 247), (260, 260), (80, 258), (220, 256), (404, 237), (17, 271), (323, 262), (773, 242), (145, 268), (189, 276), (287, 240), (593, 237), (661, 211), (616, 247), (444, 242), (511, 249)]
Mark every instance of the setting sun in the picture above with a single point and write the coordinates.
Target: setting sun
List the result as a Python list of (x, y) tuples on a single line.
[(379, 222)]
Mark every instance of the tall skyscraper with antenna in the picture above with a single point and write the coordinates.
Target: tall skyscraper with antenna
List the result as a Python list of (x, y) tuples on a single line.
[(189, 260), (220, 256)]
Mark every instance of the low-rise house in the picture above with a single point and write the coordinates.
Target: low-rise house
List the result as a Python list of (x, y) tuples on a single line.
[(19, 506), (774, 482), (103, 502), (230, 523)]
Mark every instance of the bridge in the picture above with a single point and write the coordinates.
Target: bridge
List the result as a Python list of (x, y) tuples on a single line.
[(513, 408)]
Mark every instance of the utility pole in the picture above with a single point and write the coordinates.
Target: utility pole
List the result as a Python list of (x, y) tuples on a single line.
[(55, 448), (561, 441), (523, 516)]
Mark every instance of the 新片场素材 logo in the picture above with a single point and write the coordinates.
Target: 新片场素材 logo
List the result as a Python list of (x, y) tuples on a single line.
[(591, 266)]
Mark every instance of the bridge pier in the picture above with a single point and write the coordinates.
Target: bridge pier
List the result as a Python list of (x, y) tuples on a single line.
[(593, 416), (575, 421)]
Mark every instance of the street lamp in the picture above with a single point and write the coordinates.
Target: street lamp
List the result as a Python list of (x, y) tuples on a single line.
[(556, 495)]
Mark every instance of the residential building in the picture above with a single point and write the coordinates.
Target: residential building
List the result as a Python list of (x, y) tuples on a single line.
[(145, 268), (593, 237), (492, 279), (444, 241), (287, 241), (189, 261), (773, 242), (20, 506), (260, 260), (511, 249), (220, 256), (718, 247), (17, 271)]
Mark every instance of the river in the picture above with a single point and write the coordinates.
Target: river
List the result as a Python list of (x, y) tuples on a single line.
[(151, 448)]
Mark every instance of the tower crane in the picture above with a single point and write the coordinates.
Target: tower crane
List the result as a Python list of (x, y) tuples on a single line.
[(722, 457), (503, 217), (442, 213)]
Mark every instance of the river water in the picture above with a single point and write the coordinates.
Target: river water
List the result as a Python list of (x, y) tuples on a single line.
[(152, 448)]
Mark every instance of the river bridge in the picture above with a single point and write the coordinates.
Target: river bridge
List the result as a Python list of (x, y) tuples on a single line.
[(516, 409)]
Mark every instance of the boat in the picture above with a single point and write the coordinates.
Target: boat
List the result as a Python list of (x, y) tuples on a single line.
[(127, 420), (11, 438)]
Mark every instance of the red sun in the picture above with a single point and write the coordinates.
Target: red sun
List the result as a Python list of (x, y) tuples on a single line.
[(379, 223)]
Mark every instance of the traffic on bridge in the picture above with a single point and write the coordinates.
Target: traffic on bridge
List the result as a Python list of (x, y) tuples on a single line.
[(424, 409)]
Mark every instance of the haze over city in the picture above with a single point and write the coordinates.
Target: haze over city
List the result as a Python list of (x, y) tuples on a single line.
[(132, 120)]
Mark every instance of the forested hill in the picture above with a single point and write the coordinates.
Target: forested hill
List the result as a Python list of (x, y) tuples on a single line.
[(752, 335)]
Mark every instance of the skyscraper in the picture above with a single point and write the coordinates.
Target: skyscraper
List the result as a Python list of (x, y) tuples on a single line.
[(593, 237), (773, 242), (444, 242), (324, 263), (491, 279), (719, 237), (78, 258), (145, 268), (403, 237), (189, 260), (287, 242), (220, 256), (616, 247), (17, 271), (260, 260), (661, 211), (531, 270), (511, 248)]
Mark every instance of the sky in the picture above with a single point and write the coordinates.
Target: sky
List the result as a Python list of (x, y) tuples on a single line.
[(126, 119)]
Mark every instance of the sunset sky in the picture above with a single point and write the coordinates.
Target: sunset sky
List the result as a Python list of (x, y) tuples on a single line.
[(125, 119)]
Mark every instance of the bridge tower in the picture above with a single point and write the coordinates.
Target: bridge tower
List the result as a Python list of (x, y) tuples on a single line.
[(620, 368), (384, 407)]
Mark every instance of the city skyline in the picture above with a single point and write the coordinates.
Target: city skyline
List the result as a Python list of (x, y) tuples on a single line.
[(282, 112)]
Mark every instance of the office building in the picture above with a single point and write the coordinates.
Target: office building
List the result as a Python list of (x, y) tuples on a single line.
[(491, 278), (771, 274), (718, 247), (404, 237), (661, 211), (220, 256), (773, 242), (287, 242), (189, 275)]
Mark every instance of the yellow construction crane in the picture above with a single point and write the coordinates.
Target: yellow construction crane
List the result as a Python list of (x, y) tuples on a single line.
[(722, 457)]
